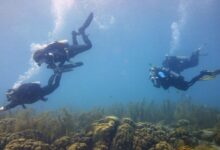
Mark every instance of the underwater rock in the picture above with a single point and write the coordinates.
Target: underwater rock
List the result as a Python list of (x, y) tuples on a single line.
[(27, 144), (124, 136), (62, 143), (163, 145), (182, 123), (7, 125), (184, 134), (207, 135), (185, 147), (142, 138), (3, 140), (160, 133), (111, 133), (217, 139), (28, 134), (80, 142), (103, 131), (6, 138), (180, 132), (128, 121), (78, 146), (205, 147)]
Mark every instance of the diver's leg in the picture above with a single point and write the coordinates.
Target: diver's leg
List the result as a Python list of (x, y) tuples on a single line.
[(74, 38), (51, 79), (196, 78), (180, 83), (51, 87), (74, 50), (86, 40)]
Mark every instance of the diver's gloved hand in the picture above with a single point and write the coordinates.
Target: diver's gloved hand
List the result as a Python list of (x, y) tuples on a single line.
[(2, 109)]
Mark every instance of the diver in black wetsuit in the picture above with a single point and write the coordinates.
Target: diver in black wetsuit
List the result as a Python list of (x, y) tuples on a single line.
[(29, 93), (180, 63), (163, 77), (60, 51)]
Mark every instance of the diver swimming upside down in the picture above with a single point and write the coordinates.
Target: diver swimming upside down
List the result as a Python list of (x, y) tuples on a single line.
[(57, 53)]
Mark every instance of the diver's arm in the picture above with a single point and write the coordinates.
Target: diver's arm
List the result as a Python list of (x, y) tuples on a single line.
[(74, 38), (7, 107), (87, 43), (156, 83), (86, 46), (51, 63)]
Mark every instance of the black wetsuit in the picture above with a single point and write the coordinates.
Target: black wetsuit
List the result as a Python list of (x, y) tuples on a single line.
[(59, 52), (178, 63), (167, 78), (31, 92)]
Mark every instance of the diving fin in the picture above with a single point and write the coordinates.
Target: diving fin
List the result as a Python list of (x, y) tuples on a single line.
[(86, 23), (207, 77), (211, 76), (71, 66), (66, 69)]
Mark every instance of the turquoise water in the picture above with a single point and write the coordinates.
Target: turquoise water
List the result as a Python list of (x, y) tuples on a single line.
[(127, 36)]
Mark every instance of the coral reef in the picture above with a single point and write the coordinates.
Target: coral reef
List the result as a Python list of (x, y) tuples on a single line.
[(26, 144), (205, 147), (62, 143), (139, 126), (124, 136), (103, 132), (163, 146)]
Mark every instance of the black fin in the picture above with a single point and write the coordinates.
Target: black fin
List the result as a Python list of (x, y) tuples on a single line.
[(86, 23)]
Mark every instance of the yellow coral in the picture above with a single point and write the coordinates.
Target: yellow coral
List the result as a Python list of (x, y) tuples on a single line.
[(180, 131), (100, 147), (205, 147), (104, 126), (163, 145), (78, 146), (185, 147)]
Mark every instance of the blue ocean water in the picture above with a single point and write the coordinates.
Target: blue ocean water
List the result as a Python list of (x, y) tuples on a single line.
[(127, 36)]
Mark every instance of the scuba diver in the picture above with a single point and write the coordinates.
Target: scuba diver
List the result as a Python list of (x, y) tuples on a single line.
[(29, 93), (57, 53), (180, 63), (163, 77)]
